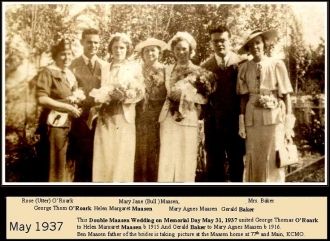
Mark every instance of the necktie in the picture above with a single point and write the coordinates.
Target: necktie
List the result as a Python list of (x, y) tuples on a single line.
[(223, 62), (90, 66)]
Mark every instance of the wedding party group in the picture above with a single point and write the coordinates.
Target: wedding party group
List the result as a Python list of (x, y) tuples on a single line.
[(127, 120)]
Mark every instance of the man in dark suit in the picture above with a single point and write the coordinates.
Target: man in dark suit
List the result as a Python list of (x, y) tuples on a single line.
[(87, 70), (224, 147)]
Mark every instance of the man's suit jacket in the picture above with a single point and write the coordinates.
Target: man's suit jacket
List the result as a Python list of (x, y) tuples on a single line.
[(224, 102), (87, 79)]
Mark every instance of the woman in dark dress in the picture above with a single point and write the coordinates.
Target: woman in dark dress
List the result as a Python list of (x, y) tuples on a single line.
[(147, 111), (55, 85)]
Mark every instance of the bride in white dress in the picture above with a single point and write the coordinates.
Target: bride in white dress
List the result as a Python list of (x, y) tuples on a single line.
[(114, 141)]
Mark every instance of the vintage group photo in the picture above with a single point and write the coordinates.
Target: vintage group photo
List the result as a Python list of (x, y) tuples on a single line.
[(164, 93)]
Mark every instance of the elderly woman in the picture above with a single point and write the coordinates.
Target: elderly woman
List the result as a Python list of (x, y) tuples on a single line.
[(148, 110), (55, 84), (114, 141), (188, 86), (265, 118)]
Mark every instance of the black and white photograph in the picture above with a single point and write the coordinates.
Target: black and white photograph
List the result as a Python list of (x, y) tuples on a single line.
[(213, 93)]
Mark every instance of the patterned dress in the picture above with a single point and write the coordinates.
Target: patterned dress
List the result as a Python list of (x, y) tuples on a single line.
[(147, 125), (264, 126)]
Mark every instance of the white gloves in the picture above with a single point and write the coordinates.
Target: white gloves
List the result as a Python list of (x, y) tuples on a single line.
[(241, 126), (288, 126)]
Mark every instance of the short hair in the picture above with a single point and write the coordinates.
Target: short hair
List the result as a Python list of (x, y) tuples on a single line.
[(64, 44), (159, 49), (219, 29), (129, 45), (179, 39), (89, 31)]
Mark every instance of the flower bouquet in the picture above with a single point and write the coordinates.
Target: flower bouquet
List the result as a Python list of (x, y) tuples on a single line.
[(58, 119), (190, 82), (153, 79), (267, 102), (107, 97), (77, 97)]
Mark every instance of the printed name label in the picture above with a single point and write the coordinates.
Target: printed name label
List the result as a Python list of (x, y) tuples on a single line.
[(166, 217)]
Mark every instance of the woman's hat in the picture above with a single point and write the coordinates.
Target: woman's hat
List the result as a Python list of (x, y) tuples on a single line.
[(62, 45), (150, 42), (268, 36)]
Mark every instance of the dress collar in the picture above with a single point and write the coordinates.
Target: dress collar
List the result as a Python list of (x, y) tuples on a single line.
[(63, 74)]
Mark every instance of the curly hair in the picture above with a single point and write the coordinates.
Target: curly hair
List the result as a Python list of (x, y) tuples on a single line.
[(219, 29), (128, 43), (89, 31)]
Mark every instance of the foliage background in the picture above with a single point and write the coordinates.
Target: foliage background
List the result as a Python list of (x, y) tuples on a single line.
[(32, 28)]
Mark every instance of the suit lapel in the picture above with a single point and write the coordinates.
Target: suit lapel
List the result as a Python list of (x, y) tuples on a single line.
[(81, 62)]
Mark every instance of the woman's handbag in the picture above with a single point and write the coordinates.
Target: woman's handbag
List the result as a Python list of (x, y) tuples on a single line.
[(57, 119), (287, 154)]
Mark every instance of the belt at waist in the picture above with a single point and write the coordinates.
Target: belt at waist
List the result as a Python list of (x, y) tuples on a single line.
[(268, 101)]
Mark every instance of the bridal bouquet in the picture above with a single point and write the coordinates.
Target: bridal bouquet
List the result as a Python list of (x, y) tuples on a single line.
[(107, 96), (128, 91), (190, 82), (102, 95), (267, 102)]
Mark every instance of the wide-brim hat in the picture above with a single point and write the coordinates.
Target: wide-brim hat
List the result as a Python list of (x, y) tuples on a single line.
[(269, 36), (151, 42)]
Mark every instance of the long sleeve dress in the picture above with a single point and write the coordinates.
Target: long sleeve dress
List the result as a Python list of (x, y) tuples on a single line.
[(114, 140), (265, 83), (147, 125)]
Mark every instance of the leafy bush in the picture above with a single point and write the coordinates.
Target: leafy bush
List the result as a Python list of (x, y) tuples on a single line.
[(310, 126), (311, 136)]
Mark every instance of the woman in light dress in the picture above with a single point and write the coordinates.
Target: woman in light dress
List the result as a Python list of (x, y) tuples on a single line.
[(148, 110), (180, 114), (114, 141), (266, 116)]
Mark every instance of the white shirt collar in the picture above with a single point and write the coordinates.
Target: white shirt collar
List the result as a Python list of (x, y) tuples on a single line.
[(86, 60), (219, 59)]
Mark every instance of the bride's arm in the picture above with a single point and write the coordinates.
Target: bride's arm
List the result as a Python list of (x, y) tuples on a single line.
[(137, 85)]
